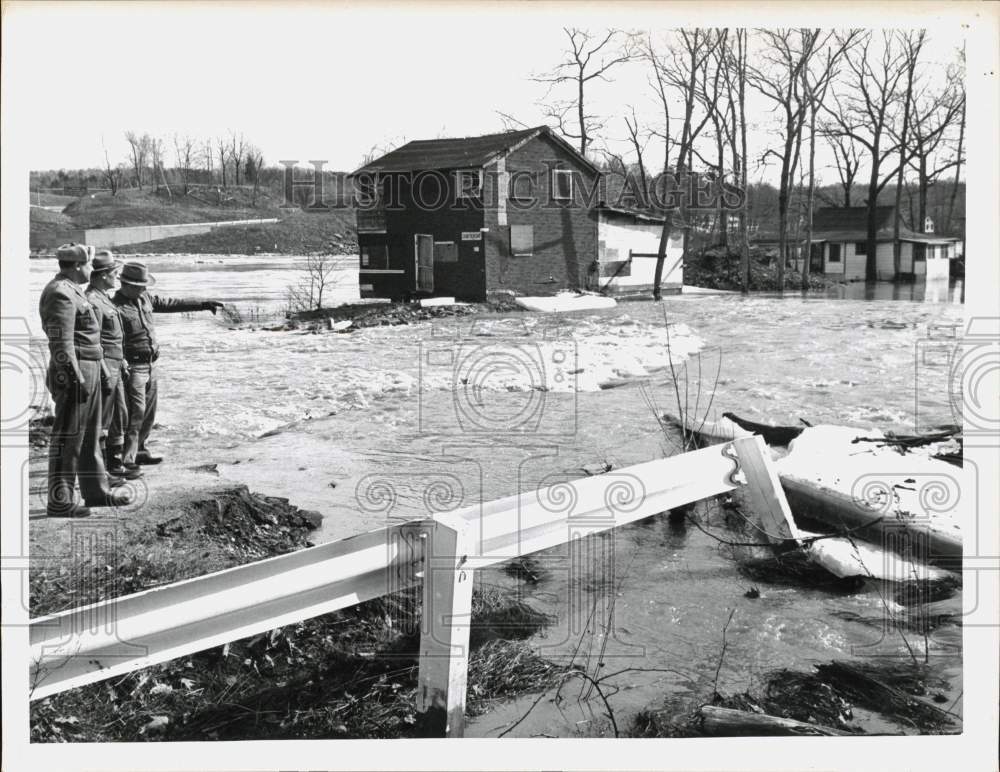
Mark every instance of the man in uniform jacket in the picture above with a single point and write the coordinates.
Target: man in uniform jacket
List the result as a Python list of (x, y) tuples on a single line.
[(114, 411), (74, 380), (136, 308)]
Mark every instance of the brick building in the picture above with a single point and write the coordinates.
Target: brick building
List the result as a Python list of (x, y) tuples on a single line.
[(515, 211)]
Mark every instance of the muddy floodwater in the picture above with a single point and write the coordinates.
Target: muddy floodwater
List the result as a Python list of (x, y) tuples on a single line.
[(385, 423)]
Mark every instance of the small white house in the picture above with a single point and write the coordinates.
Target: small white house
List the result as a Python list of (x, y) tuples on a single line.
[(840, 247), (627, 246)]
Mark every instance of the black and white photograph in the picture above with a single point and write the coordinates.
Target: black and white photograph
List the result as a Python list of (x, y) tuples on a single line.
[(499, 386)]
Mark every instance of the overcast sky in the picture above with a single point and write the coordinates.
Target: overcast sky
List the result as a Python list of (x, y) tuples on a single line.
[(326, 82)]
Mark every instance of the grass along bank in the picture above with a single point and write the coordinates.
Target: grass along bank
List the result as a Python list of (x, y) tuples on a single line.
[(297, 233)]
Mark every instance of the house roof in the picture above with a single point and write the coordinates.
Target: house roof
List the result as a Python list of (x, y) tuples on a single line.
[(461, 152), (854, 218), (633, 213), (851, 224)]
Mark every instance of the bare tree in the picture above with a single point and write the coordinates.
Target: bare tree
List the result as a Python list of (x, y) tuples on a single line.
[(785, 54), (732, 60), (254, 167), (815, 82), (237, 147), (184, 152), (957, 74), (220, 145), (848, 162), (638, 147), (156, 156), (139, 146), (935, 115), (586, 58), (865, 113), (307, 294), (207, 156), (912, 42), (678, 69), (112, 175), (711, 90)]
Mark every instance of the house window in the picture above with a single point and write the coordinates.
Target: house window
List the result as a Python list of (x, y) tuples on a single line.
[(861, 247), (522, 185), (562, 184), (374, 256), (522, 240), (834, 253), (469, 183)]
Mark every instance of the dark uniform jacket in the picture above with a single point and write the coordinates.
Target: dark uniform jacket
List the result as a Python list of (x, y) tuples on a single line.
[(139, 340), (70, 323), (111, 325)]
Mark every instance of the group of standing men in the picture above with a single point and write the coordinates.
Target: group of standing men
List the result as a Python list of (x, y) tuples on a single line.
[(102, 376)]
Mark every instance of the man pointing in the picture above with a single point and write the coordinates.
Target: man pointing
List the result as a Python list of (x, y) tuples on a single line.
[(141, 351)]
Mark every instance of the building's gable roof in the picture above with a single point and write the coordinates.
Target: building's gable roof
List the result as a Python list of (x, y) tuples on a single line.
[(854, 218), (461, 152), (851, 224)]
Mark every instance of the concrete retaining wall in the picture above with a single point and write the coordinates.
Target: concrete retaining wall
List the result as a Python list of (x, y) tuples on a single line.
[(136, 234)]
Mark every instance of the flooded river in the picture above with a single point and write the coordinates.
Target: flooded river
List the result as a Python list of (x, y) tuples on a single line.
[(535, 398)]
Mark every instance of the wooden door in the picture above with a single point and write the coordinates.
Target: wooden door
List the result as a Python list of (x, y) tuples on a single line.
[(423, 248)]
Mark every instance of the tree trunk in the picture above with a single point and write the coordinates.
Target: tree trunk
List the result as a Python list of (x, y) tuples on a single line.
[(897, 247), (661, 252), (924, 185), (871, 263), (807, 257), (726, 722), (958, 175), (744, 225)]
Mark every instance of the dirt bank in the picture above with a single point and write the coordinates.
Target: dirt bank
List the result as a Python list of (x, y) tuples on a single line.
[(717, 268), (347, 674)]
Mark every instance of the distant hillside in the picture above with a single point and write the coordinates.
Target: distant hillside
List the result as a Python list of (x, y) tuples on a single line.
[(297, 233)]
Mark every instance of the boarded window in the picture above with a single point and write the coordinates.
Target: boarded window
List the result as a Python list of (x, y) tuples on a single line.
[(374, 256), (861, 247), (445, 252), (522, 240), (562, 183)]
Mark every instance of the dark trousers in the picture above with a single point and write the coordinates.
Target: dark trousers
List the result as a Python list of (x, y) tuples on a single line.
[(114, 408), (140, 394), (75, 449)]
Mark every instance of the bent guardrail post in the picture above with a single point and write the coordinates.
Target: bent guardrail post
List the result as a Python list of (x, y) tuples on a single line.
[(767, 498), (444, 632)]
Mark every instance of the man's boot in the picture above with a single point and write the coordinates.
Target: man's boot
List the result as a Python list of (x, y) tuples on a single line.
[(147, 458), (113, 499), (114, 480), (118, 468)]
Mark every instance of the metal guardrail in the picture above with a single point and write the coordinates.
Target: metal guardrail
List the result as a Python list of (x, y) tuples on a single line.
[(117, 636)]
